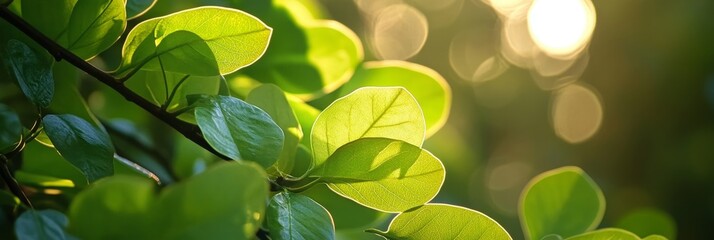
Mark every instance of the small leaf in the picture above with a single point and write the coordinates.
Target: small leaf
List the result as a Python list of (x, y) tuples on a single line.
[(295, 216), (383, 174), (239, 130), (427, 86), (273, 101), (32, 71), (606, 234), (205, 41), (43, 224), (10, 128), (113, 208), (444, 221), (563, 201), (80, 143), (136, 8), (389, 112), (94, 26)]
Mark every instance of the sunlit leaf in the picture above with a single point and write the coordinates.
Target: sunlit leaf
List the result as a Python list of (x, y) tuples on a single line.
[(306, 115), (50, 17), (94, 26), (563, 201), (239, 130), (655, 237), (648, 221), (384, 174), (44, 224), (273, 101), (136, 8), (205, 41), (113, 208), (606, 234), (80, 143), (33, 72), (427, 86), (367, 112), (295, 216), (444, 221), (42, 181), (151, 85), (10, 128)]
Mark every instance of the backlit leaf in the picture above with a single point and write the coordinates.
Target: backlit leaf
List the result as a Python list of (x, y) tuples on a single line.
[(94, 26), (606, 234), (295, 216), (383, 174)]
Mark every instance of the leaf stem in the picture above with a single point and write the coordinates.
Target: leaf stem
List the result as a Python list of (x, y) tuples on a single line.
[(190, 131), (173, 92), (166, 83)]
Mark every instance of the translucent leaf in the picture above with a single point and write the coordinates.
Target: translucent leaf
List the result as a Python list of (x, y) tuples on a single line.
[(444, 221), (94, 26), (383, 174), (295, 216), (80, 143), (50, 17), (427, 86), (563, 201), (606, 234), (204, 41), (239, 130), (390, 112), (32, 71)]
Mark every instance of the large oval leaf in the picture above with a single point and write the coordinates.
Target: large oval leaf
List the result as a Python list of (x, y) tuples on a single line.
[(389, 112), (50, 17), (10, 128), (44, 224), (203, 41), (227, 201), (274, 102), (32, 71), (563, 201), (426, 85), (444, 221), (295, 216), (113, 208), (239, 130), (383, 174), (94, 26), (80, 143), (606, 234)]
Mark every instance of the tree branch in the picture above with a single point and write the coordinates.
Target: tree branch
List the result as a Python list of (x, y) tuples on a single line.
[(12, 183), (190, 131)]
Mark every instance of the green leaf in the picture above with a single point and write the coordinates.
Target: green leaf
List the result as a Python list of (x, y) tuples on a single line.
[(563, 201), (648, 221), (444, 221), (32, 71), (227, 201), (205, 41), (42, 181), (151, 85), (113, 208), (273, 101), (136, 8), (39, 159), (50, 17), (390, 112), (44, 224), (383, 174), (295, 216), (10, 128), (239, 130), (306, 115), (655, 237), (346, 213), (606, 234), (80, 143), (94, 26), (426, 85)]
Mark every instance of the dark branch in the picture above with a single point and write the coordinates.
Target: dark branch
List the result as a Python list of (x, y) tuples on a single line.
[(188, 130), (12, 183)]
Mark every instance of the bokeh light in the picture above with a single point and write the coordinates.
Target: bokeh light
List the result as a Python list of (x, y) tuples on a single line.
[(561, 28), (399, 32), (577, 113)]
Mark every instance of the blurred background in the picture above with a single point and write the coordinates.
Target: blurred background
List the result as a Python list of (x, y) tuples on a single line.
[(623, 89)]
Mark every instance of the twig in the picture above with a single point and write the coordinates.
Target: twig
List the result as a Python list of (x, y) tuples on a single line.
[(12, 183), (190, 131)]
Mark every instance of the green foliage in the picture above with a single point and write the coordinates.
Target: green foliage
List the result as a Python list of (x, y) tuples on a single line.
[(607, 233), (94, 26), (648, 221), (444, 221), (563, 201), (44, 224), (10, 128), (295, 216), (183, 43), (33, 72), (136, 8), (80, 143), (239, 130)]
